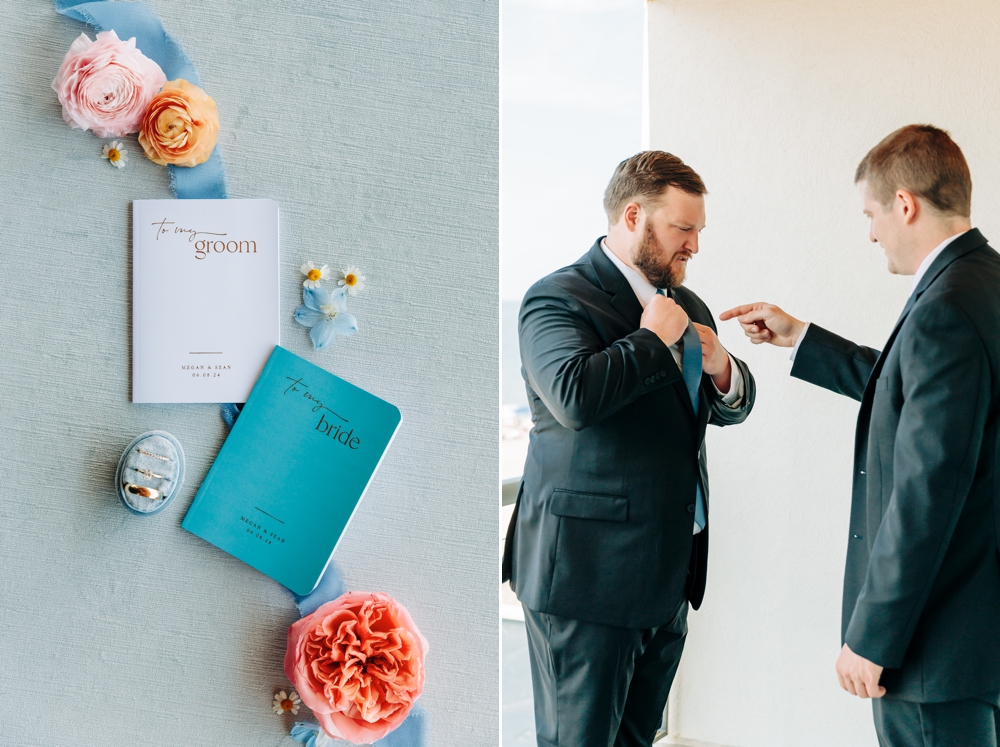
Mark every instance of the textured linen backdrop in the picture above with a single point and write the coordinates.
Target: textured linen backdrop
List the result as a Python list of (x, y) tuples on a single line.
[(375, 128)]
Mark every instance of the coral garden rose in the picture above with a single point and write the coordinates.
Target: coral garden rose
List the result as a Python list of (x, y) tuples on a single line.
[(358, 663), (181, 125), (105, 85)]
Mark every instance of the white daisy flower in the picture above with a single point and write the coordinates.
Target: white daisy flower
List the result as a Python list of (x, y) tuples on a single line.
[(351, 280), (286, 703), (314, 275), (115, 153)]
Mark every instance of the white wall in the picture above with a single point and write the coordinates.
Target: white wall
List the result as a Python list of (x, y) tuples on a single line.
[(774, 103)]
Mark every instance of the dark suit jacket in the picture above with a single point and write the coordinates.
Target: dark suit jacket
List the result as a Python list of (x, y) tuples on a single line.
[(922, 584), (602, 531)]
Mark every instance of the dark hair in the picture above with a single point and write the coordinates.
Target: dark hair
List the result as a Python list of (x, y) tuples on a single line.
[(645, 177), (923, 160)]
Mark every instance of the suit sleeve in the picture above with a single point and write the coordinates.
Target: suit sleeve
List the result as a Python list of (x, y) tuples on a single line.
[(722, 414), (830, 361), (719, 412), (946, 395), (581, 380)]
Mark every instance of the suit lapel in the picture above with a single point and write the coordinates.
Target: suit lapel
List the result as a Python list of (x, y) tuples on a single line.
[(612, 281), (627, 305), (967, 242), (888, 345), (961, 246)]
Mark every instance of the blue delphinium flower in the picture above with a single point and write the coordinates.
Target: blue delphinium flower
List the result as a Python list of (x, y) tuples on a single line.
[(325, 312)]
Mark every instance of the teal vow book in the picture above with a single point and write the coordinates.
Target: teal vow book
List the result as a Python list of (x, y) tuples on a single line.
[(293, 470)]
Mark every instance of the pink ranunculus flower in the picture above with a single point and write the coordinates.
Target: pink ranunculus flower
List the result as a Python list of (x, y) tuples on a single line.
[(106, 85), (358, 663)]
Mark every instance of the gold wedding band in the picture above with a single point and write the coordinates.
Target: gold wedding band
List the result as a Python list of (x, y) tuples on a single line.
[(155, 456), (143, 491), (148, 473)]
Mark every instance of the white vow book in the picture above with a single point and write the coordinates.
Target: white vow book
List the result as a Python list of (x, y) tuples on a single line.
[(205, 305)]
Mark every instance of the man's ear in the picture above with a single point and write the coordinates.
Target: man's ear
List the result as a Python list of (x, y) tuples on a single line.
[(631, 215), (908, 205)]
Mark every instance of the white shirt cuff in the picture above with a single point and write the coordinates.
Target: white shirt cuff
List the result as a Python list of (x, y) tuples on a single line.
[(735, 395), (798, 342)]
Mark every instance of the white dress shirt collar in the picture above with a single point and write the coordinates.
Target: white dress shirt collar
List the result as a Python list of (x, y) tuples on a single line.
[(929, 259), (644, 290)]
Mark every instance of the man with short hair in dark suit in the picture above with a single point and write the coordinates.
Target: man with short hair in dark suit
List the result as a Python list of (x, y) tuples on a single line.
[(921, 606), (609, 539)]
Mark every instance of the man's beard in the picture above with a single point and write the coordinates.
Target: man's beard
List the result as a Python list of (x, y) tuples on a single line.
[(649, 259)]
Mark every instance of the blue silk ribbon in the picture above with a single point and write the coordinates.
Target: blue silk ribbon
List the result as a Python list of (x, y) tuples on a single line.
[(231, 411), (411, 733), (206, 181)]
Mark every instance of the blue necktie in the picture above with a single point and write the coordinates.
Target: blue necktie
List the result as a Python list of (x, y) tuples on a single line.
[(691, 372)]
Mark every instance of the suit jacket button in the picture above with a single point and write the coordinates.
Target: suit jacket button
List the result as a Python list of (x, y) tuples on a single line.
[(663, 373), (690, 508), (862, 472), (857, 536), (647, 382)]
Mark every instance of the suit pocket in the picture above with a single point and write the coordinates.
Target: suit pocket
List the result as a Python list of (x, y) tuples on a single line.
[(589, 505)]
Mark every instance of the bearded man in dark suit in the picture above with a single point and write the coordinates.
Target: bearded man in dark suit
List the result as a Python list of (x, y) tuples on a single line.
[(609, 540), (921, 604)]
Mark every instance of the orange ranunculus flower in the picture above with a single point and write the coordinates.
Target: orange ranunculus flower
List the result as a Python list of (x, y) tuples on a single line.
[(180, 126)]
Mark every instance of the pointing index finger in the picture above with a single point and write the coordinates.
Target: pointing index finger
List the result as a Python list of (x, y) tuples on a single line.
[(738, 311)]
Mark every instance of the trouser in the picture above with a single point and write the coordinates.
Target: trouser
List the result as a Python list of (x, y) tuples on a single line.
[(960, 723), (599, 685)]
